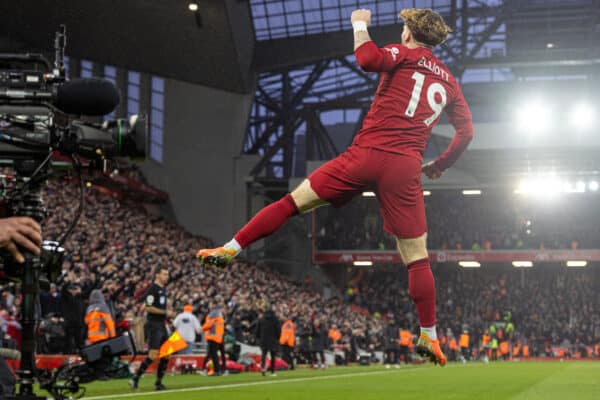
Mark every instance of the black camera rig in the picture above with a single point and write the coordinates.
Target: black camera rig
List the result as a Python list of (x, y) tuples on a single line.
[(41, 115)]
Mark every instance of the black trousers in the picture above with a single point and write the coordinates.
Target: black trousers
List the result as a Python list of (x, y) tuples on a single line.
[(404, 351), (74, 339), (263, 359), (288, 355), (321, 354), (393, 355), (465, 353), (7, 379), (223, 356), (213, 354)]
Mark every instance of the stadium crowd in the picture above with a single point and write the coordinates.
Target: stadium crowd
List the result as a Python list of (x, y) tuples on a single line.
[(117, 244), (551, 305), (495, 220)]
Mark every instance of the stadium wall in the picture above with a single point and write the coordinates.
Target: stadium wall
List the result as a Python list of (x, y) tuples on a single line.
[(202, 169)]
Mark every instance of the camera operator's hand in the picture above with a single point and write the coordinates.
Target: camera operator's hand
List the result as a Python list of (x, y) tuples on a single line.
[(20, 231)]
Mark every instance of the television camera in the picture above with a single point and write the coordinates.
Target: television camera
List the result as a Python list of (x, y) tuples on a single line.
[(43, 115)]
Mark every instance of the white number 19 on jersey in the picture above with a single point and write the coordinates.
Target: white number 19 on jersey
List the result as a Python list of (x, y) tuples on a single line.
[(432, 90)]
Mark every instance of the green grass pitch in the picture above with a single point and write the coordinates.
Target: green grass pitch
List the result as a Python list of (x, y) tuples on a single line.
[(503, 380)]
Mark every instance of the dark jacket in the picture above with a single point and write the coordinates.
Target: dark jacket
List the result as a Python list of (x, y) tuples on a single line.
[(303, 331), (391, 335), (320, 338), (51, 304), (269, 330), (73, 307)]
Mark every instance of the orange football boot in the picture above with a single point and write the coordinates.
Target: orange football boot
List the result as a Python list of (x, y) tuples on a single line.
[(430, 349), (219, 257)]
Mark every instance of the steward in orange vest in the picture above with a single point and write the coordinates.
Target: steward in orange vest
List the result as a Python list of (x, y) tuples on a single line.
[(405, 342), (100, 324), (516, 349), (504, 350), (287, 340), (464, 342), (453, 345), (288, 334), (214, 328), (485, 340), (485, 344), (334, 334)]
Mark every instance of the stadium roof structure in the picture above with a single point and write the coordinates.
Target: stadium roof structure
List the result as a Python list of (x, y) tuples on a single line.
[(296, 56), (308, 79)]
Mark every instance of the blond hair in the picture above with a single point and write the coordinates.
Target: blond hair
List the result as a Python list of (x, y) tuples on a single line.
[(427, 26)]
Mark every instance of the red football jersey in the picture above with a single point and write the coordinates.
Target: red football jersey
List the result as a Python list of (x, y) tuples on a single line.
[(414, 88)]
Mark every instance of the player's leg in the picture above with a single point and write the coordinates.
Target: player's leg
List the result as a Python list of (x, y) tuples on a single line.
[(223, 357), (163, 362), (214, 356), (152, 340), (272, 352), (291, 356), (332, 183), (400, 196), (264, 223), (263, 360), (421, 288), (7, 379), (421, 284), (285, 354)]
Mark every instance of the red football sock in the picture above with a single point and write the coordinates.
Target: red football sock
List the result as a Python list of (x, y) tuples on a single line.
[(421, 287), (267, 221)]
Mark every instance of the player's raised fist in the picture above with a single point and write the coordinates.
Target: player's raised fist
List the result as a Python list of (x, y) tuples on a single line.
[(361, 15), (431, 170)]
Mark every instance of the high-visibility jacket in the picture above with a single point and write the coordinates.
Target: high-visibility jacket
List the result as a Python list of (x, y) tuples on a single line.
[(288, 334), (453, 345), (214, 327), (464, 340), (405, 337), (443, 340), (504, 347), (516, 350), (525, 350), (494, 344), (597, 350), (485, 340), (335, 335), (100, 325)]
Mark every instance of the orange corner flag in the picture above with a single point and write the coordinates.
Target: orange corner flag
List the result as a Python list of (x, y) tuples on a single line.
[(174, 344)]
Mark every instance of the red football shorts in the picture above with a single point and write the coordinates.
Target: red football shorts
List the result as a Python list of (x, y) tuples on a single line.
[(395, 179)]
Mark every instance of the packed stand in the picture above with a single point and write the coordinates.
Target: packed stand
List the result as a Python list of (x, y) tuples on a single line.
[(117, 245), (492, 221), (550, 305)]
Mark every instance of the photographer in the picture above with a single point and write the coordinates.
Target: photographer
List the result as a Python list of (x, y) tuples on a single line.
[(16, 234)]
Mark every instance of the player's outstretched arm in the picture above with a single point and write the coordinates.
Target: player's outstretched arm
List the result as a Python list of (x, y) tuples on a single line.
[(368, 56), (361, 19)]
